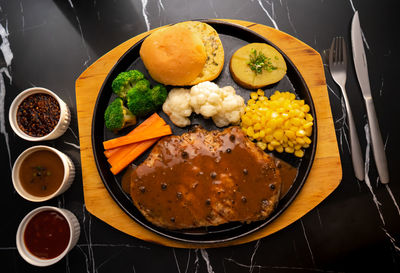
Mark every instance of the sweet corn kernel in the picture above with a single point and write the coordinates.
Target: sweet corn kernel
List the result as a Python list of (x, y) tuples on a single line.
[(290, 134), (262, 99), (275, 143), (289, 150), (299, 153), (307, 125), (262, 145), (300, 140), (253, 95), (258, 126), (280, 123), (250, 131), (278, 134), (268, 138), (305, 108), (300, 133), (307, 140)]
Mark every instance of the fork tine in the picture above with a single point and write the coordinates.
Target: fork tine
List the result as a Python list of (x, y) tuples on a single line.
[(344, 54), (331, 51), (337, 50)]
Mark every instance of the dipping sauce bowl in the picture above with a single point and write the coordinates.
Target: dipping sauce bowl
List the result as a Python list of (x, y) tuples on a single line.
[(41, 173), (46, 235), (38, 114)]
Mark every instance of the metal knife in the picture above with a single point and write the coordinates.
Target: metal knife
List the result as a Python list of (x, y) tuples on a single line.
[(360, 63)]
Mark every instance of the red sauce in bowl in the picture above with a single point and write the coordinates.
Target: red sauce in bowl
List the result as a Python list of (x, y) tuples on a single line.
[(47, 234)]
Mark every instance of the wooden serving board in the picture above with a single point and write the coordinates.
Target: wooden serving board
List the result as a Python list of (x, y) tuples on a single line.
[(325, 175)]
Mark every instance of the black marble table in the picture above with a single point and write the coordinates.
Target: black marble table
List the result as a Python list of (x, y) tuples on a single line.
[(356, 229)]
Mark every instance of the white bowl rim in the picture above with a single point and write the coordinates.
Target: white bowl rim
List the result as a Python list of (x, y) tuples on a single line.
[(15, 173), (18, 100), (22, 249)]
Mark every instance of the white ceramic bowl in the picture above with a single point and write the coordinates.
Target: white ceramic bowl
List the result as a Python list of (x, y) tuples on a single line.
[(74, 236), (63, 122), (69, 173)]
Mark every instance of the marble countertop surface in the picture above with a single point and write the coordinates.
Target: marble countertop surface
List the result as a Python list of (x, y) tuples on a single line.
[(356, 229)]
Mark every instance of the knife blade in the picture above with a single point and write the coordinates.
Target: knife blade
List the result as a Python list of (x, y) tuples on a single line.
[(361, 66)]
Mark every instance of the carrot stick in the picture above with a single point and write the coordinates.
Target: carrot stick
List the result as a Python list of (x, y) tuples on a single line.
[(132, 155), (150, 133), (110, 152), (121, 153), (154, 120)]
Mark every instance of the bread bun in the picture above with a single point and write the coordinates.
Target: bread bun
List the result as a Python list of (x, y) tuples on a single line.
[(173, 55), (186, 53), (213, 47)]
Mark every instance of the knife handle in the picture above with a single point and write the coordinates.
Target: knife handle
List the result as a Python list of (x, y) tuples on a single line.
[(356, 155), (377, 143)]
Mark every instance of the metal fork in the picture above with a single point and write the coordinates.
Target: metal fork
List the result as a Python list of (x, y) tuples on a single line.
[(338, 68)]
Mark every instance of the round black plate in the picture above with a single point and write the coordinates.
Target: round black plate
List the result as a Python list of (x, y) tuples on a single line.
[(232, 37)]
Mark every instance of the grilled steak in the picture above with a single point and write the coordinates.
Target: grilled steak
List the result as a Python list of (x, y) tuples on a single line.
[(205, 178)]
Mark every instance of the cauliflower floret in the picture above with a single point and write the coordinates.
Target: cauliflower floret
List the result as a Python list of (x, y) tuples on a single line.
[(232, 108), (177, 106), (206, 99)]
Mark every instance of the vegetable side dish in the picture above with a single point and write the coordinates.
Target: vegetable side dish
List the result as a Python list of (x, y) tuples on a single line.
[(257, 65), (135, 99), (206, 99), (280, 123)]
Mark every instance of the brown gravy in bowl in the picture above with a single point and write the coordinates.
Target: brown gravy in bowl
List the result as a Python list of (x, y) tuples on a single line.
[(41, 173)]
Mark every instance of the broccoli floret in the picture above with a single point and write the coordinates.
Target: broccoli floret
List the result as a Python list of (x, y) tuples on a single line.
[(125, 81), (117, 116), (142, 100), (139, 101), (143, 86), (158, 94)]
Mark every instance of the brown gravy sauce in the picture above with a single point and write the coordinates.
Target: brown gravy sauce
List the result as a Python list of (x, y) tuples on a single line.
[(126, 179), (287, 172), (191, 182), (288, 175), (41, 173)]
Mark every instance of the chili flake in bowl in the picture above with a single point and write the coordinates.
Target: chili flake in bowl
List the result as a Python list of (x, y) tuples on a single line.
[(38, 114)]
